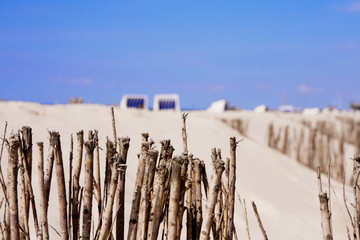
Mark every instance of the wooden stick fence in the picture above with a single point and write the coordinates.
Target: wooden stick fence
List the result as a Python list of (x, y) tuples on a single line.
[(167, 187)]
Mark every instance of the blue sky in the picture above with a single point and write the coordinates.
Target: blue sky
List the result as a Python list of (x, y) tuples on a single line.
[(247, 52)]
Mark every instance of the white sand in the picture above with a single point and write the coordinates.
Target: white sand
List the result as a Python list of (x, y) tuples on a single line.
[(285, 191)]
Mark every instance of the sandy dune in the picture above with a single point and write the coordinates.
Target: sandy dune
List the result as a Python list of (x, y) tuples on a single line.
[(285, 191)]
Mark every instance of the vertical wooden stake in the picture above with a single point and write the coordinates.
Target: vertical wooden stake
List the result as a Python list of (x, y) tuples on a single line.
[(88, 186), (76, 185), (259, 221), (198, 196), (43, 203), (157, 202), (137, 190), (124, 144), (174, 198), (55, 142), (70, 183), (231, 193), (12, 186), (211, 200), (107, 215)]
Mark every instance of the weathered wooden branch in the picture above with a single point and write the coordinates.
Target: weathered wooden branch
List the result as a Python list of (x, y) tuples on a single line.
[(76, 186), (26, 140), (174, 198), (150, 163), (243, 205), (7, 222), (157, 202), (88, 186), (188, 201), (48, 173), (183, 180), (107, 215), (97, 173), (226, 200), (23, 220), (70, 187), (59, 167), (137, 190), (184, 133), (218, 214), (113, 126), (259, 220), (2, 181), (204, 178), (12, 174), (324, 210), (29, 190), (231, 193), (124, 144), (325, 216), (357, 197), (198, 196), (43, 204), (212, 198), (110, 150)]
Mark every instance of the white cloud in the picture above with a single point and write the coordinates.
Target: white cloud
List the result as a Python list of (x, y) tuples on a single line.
[(306, 89), (261, 86), (351, 45), (83, 81), (352, 7), (216, 87)]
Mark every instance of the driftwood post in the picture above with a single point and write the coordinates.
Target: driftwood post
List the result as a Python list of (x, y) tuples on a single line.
[(48, 173), (174, 198), (226, 200), (231, 193), (188, 195), (218, 214), (43, 209), (2, 181), (185, 184), (29, 190), (166, 159), (59, 167), (325, 216), (76, 184), (204, 178), (243, 205), (217, 219), (153, 154), (184, 134), (7, 223), (157, 202), (107, 215), (137, 190), (357, 198), (183, 180), (120, 191), (12, 186), (97, 173), (26, 133), (113, 126), (150, 163), (212, 198), (198, 196), (259, 220), (324, 210), (71, 154), (23, 220), (88, 188), (144, 199)]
